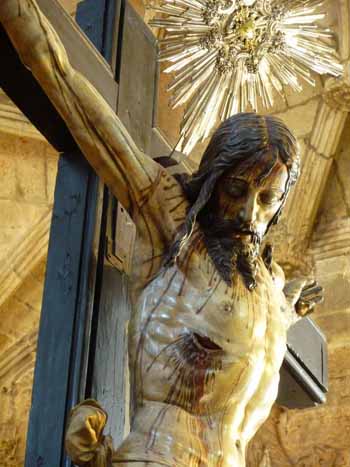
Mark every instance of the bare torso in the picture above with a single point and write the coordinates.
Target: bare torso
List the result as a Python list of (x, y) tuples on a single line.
[(204, 356)]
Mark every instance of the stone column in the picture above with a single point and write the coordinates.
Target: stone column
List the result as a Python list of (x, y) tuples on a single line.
[(318, 153)]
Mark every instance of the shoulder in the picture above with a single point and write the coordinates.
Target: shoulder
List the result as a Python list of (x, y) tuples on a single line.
[(278, 275), (166, 201)]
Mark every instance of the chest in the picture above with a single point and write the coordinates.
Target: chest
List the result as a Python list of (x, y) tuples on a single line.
[(191, 297)]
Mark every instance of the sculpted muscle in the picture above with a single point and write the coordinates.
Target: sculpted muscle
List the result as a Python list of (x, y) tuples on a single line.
[(94, 125)]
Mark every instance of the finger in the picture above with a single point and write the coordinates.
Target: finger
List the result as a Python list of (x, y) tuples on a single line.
[(305, 309), (293, 288), (310, 285), (312, 291), (312, 301)]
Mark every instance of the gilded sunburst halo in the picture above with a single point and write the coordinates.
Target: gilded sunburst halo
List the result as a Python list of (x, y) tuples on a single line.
[(228, 56)]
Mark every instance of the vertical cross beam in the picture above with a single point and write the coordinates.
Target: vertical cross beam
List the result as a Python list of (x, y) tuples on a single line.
[(70, 278)]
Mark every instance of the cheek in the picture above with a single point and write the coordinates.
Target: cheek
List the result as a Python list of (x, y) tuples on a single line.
[(225, 205), (230, 209), (268, 214)]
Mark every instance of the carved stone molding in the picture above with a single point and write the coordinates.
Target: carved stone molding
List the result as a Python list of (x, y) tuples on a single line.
[(14, 122), (266, 459), (317, 157), (18, 359), (333, 241), (18, 337), (326, 455), (259, 457), (14, 402), (343, 20), (16, 376), (337, 92), (327, 131), (24, 258)]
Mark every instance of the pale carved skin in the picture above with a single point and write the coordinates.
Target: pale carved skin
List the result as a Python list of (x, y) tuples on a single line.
[(196, 406)]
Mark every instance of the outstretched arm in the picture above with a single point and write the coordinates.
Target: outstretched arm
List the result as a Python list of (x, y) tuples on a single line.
[(97, 130)]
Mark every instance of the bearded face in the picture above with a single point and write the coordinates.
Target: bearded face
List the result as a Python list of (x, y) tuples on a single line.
[(236, 218)]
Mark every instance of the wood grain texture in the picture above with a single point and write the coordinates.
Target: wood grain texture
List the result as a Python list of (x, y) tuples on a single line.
[(57, 319), (109, 385)]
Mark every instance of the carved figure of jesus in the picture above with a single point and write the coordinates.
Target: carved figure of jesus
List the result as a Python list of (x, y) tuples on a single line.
[(210, 313)]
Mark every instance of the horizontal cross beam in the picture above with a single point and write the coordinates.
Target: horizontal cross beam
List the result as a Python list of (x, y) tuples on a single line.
[(84, 57)]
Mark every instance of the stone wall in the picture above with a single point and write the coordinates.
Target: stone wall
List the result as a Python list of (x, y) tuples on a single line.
[(28, 171), (19, 324)]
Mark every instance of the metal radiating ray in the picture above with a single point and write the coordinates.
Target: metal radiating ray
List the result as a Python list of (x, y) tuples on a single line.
[(229, 56)]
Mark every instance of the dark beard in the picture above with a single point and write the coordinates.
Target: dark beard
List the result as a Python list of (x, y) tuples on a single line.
[(230, 254)]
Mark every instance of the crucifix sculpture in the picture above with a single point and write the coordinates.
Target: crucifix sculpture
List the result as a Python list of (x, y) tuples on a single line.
[(210, 311)]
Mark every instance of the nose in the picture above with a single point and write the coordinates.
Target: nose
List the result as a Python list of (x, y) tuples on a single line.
[(248, 213)]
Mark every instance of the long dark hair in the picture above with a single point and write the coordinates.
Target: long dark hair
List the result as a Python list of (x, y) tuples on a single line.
[(240, 140)]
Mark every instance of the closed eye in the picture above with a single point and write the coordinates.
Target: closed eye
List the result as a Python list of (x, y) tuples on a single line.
[(235, 187), (270, 197)]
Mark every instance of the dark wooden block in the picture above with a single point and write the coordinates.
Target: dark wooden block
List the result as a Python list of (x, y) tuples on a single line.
[(57, 332), (304, 375), (138, 79)]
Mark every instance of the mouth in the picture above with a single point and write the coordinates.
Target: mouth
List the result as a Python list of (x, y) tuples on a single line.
[(205, 343)]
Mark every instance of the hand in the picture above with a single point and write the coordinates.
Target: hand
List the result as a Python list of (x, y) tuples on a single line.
[(303, 295), (84, 441), (310, 296)]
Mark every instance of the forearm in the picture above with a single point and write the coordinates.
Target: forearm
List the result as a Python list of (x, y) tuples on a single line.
[(97, 130)]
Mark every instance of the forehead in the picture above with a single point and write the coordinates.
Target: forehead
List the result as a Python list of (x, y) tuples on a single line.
[(263, 171)]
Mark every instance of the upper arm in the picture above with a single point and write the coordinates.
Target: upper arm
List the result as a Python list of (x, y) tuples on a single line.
[(278, 275), (98, 131)]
